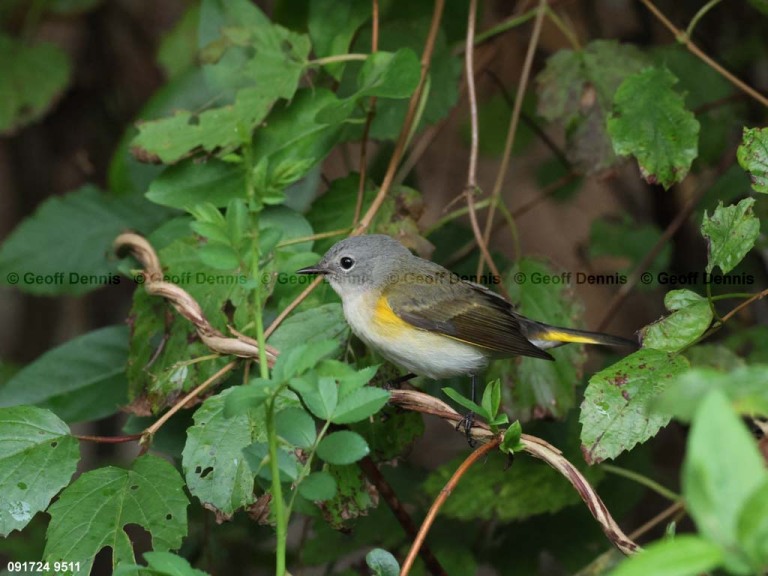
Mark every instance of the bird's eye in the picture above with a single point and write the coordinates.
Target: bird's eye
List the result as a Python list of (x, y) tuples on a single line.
[(346, 263)]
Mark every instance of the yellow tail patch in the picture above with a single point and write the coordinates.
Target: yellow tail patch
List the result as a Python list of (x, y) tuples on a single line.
[(557, 336)]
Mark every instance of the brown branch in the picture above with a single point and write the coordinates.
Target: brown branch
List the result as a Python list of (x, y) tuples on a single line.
[(680, 36), (413, 103), (442, 497), (152, 279), (743, 305), (108, 439), (420, 402), (406, 522)]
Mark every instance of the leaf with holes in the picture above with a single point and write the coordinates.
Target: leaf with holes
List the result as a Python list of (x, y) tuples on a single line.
[(753, 157), (731, 232), (214, 466), (93, 511), (616, 411), (39, 457), (691, 316), (651, 123)]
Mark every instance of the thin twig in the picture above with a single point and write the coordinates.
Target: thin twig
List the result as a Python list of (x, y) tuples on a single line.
[(292, 306), (375, 476), (413, 103), (743, 305), (368, 121), (149, 432), (680, 36), (478, 454), (108, 439), (510, 140)]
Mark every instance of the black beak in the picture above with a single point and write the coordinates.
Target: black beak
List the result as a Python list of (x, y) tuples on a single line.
[(312, 270)]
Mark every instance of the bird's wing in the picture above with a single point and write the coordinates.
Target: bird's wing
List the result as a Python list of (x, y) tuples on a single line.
[(441, 302)]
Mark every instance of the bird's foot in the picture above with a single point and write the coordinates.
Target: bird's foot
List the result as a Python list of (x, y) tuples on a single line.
[(466, 422)]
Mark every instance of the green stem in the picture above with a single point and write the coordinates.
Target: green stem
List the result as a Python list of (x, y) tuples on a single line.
[(731, 296), (504, 26), (643, 480), (338, 58), (699, 15), (712, 301), (567, 32), (455, 214), (307, 465), (278, 505)]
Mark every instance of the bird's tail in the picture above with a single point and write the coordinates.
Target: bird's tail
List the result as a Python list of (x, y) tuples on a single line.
[(544, 336)]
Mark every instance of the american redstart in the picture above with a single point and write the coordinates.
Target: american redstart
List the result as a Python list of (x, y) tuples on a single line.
[(426, 319)]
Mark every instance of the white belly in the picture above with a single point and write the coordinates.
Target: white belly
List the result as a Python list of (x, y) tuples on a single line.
[(419, 351)]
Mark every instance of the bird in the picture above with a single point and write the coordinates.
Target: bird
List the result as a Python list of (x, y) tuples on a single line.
[(429, 321)]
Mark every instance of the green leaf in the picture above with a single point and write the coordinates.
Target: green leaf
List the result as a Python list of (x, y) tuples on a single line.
[(344, 447), (214, 130), (318, 487), (690, 318), (257, 456), (34, 77), (511, 442), (536, 388), (576, 90), (616, 411), (297, 427), (359, 405), (213, 463), (722, 468), (752, 528), (332, 25), (492, 398), (685, 555), (382, 563), (65, 247), (466, 403), (92, 512), (319, 394), (189, 183), (218, 256), (178, 46), (753, 157), (389, 75), (731, 232), (650, 122), (160, 564), (83, 379), (39, 457), (297, 360), (744, 386), (243, 399), (319, 323), (353, 496)]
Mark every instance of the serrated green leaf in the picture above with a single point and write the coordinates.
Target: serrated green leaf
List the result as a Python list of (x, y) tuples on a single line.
[(297, 427), (359, 405), (65, 247), (331, 27), (616, 411), (382, 563), (297, 360), (651, 123), (218, 256), (39, 457), (722, 468), (318, 487), (731, 232), (319, 394), (389, 75), (93, 511), (319, 323), (243, 399), (189, 183), (160, 564), (83, 379), (753, 157), (214, 467), (752, 528), (690, 318), (33, 78), (257, 456), (576, 90), (341, 448), (535, 388), (686, 555)]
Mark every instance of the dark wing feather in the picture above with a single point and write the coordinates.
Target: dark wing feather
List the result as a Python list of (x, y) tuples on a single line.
[(439, 301)]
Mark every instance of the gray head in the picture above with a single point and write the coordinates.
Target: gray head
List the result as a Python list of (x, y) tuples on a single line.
[(360, 263)]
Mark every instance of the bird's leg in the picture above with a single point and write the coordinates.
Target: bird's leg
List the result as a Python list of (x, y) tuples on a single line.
[(469, 418), (396, 382)]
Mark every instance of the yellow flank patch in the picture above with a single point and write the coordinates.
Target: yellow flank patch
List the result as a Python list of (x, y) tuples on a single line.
[(555, 336), (388, 323)]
